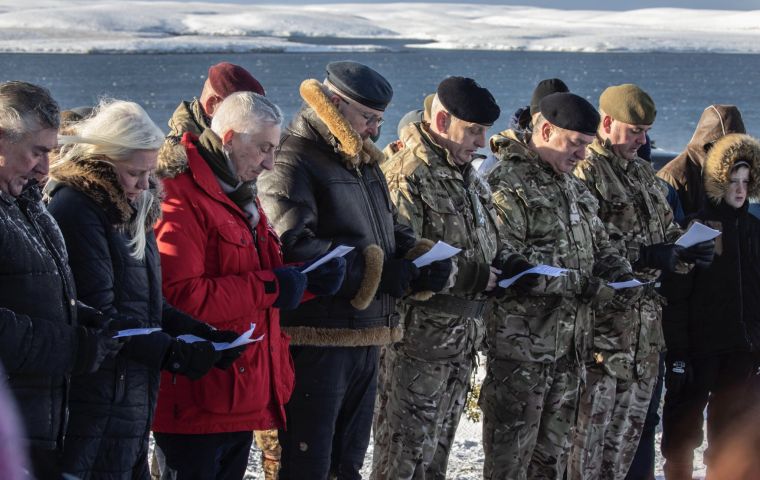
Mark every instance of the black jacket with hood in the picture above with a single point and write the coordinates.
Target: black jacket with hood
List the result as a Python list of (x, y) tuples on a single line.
[(684, 172), (327, 189), (716, 310), (38, 340), (112, 409)]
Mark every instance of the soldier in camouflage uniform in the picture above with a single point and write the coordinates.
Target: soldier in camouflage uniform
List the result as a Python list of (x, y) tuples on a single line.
[(627, 341), (538, 340), (425, 377)]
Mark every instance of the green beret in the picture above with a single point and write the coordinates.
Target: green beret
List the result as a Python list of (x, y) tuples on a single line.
[(628, 103)]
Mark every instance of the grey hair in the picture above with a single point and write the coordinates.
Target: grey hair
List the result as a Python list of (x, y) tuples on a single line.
[(25, 107), (113, 133), (245, 112)]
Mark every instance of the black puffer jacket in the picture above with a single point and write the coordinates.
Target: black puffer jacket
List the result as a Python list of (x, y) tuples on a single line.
[(38, 339), (318, 196), (112, 409)]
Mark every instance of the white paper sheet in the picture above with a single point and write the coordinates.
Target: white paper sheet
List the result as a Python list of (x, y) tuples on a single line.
[(243, 339), (697, 233), (440, 251), (133, 332), (338, 251), (547, 270), (627, 284)]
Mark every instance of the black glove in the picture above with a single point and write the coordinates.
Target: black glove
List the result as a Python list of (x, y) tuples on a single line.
[(397, 275), (662, 256), (678, 372), (518, 264), (222, 336), (700, 254), (327, 278), (433, 277), (92, 318), (292, 285), (192, 360), (596, 291), (94, 345), (625, 298)]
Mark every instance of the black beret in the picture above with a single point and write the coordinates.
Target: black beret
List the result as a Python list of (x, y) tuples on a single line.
[(468, 101), (544, 88), (571, 112), (360, 83)]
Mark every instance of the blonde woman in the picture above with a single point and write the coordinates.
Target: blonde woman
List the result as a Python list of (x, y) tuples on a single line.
[(105, 201)]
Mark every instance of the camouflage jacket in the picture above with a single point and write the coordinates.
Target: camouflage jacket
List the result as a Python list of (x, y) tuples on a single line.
[(633, 206), (551, 219), (442, 201)]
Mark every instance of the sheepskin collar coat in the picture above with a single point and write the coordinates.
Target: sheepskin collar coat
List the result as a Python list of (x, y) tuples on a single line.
[(327, 189), (717, 310)]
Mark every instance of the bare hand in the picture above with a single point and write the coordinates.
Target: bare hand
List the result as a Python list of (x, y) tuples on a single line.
[(493, 278)]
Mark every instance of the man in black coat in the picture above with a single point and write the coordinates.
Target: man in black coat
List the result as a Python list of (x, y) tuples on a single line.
[(41, 343), (326, 189)]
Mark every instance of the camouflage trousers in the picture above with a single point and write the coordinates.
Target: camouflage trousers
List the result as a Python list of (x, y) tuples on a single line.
[(269, 444), (528, 418), (417, 412), (611, 416)]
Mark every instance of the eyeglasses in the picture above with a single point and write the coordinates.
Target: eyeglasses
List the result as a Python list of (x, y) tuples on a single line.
[(370, 119)]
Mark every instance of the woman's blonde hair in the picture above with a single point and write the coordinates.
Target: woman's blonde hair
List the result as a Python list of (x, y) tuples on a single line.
[(114, 131)]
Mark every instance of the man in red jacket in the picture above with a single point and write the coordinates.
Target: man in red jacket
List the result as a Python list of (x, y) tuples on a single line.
[(222, 263)]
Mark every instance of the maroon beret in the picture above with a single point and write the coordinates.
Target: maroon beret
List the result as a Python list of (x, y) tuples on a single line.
[(226, 78)]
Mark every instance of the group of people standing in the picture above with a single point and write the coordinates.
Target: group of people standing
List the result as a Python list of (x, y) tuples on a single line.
[(210, 232)]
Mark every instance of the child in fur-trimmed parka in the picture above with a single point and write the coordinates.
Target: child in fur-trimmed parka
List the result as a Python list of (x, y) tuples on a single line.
[(712, 327)]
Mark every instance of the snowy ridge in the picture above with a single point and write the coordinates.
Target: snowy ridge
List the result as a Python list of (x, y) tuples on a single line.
[(78, 26)]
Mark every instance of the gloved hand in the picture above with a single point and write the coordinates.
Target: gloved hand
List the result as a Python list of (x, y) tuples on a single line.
[(94, 345), (397, 275), (192, 360), (700, 254), (92, 318), (597, 292), (433, 277), (292, 285), (662, 256), (518, 264), (222, 336), (678, 372), (327, 278)]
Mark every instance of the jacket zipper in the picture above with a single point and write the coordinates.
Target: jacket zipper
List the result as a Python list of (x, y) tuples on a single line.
[(368, 201), (740, 287)]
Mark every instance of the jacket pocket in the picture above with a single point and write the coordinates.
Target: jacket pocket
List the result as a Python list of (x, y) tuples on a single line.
[(235, 248), (242, 388)]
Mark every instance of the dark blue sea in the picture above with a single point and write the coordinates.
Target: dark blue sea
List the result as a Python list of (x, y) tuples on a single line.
[(682, 84)]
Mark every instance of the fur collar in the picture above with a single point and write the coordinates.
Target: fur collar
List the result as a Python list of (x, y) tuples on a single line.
[(97, 179), (721, 158), (172, 159), (347, 142)]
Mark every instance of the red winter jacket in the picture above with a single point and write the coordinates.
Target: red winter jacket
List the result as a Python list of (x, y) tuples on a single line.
[(217, 271)]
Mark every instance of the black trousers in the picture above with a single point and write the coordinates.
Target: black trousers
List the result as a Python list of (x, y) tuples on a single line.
[(329, 416), (723, 383), (211, 456)]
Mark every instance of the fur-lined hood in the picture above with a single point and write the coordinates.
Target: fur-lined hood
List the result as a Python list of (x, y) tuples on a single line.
[(346, 141), (97, 179), (722, 157), (172, 159)]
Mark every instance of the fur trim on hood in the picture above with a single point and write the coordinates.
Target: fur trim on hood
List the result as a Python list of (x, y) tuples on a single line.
[(96, 178), (722, 157), (172, 159), (349, 142)]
